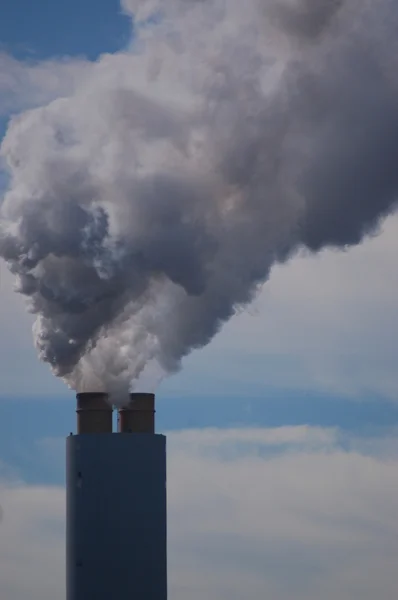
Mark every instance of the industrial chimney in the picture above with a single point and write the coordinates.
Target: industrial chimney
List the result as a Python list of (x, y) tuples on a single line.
[(116, 503)]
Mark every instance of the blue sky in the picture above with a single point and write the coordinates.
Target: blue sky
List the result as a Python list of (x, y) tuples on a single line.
[(306, 379), (48, 29)]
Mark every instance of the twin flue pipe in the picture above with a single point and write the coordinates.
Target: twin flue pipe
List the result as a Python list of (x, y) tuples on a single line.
[(94, 413)]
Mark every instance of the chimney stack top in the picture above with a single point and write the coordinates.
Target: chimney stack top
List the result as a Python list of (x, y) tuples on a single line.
[(139, 415), (94, 413)]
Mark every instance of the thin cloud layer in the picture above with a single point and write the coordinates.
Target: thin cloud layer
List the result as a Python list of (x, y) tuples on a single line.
[(252, 513), (323, 323), (31, 542)]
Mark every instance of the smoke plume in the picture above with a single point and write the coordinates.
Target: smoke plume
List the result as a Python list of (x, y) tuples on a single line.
[(149, 202)]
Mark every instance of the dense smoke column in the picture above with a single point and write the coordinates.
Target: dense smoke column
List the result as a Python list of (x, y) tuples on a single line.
[(148, 203)]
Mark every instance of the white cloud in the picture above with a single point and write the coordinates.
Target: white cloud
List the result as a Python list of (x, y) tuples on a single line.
[(141, 9), (310, 522), (289, 514), (31, 542), (25, 84)]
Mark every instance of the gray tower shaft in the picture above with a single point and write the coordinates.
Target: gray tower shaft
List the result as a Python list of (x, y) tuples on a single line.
[(116, 517)]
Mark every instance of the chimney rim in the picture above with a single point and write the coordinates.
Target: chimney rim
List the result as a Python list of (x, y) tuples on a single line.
[(83, 395)]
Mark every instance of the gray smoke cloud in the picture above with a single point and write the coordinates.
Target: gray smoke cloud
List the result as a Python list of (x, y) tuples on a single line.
[(306, 19), (147, 204)]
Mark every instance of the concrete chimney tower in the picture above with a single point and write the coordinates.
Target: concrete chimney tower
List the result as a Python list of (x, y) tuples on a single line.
[(116, 503)]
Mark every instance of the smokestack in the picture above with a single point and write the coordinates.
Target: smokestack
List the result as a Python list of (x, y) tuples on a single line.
[(139, 415), (94, 413), (116, 503)]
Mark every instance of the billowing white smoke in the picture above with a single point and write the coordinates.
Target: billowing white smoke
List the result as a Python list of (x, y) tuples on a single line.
[(149, 201)]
